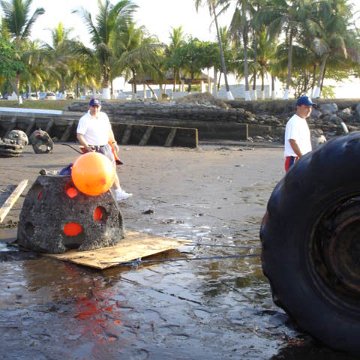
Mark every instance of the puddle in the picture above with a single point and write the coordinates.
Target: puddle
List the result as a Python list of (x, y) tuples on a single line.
[(209, 302), (7, 236)]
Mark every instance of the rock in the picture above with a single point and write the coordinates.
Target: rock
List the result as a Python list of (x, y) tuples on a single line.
[(205, 99), (317, 141), (328, 109), (357, 112), (55, 217)]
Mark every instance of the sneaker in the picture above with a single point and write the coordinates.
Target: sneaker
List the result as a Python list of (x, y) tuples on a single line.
[(121, 195)]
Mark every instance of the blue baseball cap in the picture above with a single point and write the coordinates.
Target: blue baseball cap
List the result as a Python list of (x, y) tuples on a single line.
[(94, 102), (304, 100)]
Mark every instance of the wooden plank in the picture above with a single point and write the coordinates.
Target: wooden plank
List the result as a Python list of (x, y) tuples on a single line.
[(49, 125), (127, 134), (134, 246), (11, 200), (144, 140), (30, 126), (170, 138), (65, 136)]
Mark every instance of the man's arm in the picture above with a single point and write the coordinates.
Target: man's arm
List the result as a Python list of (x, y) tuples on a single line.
[(112, 140), (83, 142), (295, 147)]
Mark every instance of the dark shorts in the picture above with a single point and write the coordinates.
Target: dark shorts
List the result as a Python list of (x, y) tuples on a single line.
[(290, 161)]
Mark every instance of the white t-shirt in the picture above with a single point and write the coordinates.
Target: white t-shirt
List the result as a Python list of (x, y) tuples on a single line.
[(297, 129), (95, 129)]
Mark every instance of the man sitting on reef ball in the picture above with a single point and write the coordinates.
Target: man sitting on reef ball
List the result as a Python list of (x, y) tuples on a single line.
[(297, 132), (94, 132)]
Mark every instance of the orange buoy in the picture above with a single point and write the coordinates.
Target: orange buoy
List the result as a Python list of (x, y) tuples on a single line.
[(93, 173)]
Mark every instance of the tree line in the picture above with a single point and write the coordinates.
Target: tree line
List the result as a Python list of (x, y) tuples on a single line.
[(298, 43)]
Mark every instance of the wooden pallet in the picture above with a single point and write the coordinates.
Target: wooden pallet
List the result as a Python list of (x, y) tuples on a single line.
[(9, 196), (134, 246)]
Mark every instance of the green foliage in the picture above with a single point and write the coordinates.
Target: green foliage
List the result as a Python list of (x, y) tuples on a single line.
[(109, 20), (38, 104), (9, 65), (328, 92), (300, 42), (193, 56), (17, 18)]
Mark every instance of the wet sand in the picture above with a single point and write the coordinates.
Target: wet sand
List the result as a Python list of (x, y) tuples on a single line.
[(209, 301)]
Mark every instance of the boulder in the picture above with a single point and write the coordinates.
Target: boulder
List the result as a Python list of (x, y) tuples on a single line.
[(56, 217)]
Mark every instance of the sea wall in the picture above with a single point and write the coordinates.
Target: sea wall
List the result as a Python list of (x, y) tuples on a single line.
[(234, 120), (153, 122)]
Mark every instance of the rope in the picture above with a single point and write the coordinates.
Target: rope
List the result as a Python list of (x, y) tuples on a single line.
[(72, 147), (139, 261)]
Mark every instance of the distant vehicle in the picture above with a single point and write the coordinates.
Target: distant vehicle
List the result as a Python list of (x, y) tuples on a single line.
[(50, 96), (70, 95), (33, 96), (121, 95)]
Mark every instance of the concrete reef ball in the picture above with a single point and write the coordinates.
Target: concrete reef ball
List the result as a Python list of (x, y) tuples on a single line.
[(93, 173)]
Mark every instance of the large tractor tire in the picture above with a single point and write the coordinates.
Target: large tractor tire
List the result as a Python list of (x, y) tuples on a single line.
[(311, 243)]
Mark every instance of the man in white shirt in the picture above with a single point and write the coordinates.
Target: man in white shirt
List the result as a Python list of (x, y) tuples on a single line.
[(94, 133), (297, 132)]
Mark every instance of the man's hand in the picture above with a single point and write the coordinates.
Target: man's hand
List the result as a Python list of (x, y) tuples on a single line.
[(295, 147), (89, 148)]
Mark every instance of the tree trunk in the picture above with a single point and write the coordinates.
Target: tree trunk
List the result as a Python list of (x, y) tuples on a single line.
[(215, 92), (262, 86), (254, 86), (246, 69), (254, 92), (152, 91), (222, 56), (317, 91), (106, 83), (273, 93), (17, 88), (288, 80), (313, 81)]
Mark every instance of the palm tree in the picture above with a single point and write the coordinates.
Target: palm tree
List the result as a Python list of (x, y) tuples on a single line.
[(265, 58), (9, 64), (176, 40), (83, 73), (62, 54), (330, 35), (289, 18), (37, 69), (240, 29), (18, 22), (103, 30), (17, 17), (136, 54), (213, 4)]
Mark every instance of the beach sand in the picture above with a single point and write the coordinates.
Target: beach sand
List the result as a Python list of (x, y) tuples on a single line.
[(209, 300)]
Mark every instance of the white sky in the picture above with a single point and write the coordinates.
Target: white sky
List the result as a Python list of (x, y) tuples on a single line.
[(158, 16)]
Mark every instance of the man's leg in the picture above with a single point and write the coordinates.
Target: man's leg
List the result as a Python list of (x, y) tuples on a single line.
[(119, 193), (289, 162)]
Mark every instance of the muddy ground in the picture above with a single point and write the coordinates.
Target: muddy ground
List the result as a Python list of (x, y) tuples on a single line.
[(209, 300)]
